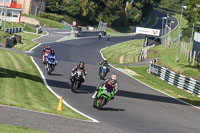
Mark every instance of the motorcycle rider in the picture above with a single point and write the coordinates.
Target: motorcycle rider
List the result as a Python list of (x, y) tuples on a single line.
[(47, 49), (100, 35), (108, 37), (111, 81), (46, 52), (50, 57), (80, 66), (104, 62)]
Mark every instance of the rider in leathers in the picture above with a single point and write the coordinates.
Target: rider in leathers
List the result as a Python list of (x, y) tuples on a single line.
[(103, 63), (80, 66), (111, 81)]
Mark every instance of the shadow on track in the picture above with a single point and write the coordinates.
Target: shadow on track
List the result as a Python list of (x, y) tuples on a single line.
[(111, 109), (84, 89), (87, 89), (148, 97), (56, 74)]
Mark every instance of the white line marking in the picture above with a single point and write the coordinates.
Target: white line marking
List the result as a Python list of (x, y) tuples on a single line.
[(45, 82)]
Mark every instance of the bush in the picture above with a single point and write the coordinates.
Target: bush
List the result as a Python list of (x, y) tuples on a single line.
[(52, 16)]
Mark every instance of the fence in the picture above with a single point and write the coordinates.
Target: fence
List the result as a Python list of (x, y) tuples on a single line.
[(178, 80), (14, 30)]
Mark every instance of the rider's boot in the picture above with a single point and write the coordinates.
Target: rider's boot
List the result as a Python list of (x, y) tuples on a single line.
[(95, 93)]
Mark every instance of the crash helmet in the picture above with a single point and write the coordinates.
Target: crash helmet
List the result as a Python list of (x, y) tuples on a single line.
[(52, 52), (113, 79), (105, 61), (81, 64)]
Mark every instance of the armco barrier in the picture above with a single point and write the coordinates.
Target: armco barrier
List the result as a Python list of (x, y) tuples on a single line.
[(14, 30), (178, 80)]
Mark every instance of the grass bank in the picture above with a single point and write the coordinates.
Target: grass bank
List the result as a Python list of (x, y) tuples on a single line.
[(17, 129), (21, 85), (127, 52), (26, 44), (46, 22)]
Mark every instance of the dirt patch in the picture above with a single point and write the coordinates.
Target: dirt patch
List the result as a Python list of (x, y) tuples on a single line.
[(131, 72), (121, 60)]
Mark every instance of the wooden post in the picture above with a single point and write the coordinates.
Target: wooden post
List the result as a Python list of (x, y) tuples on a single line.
[(188, 52), (5, 42), (183, 48), (198, 58), (194, 55), (181, 51)]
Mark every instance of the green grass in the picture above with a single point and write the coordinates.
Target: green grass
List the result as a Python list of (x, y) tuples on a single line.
[(21, 85), (26, 44), (17, 129), (130, 51), (3, 35), (163, 86), (167, 59), (152, 21), (46, 22)]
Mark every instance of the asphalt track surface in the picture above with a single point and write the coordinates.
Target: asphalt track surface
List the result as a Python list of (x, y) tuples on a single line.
[(136, 107)]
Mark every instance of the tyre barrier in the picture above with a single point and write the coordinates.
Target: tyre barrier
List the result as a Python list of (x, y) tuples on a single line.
[(14, 30), (10, 41), (180, 81)]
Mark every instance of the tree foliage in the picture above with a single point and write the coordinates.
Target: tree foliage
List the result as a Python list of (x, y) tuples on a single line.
[(110, 11)]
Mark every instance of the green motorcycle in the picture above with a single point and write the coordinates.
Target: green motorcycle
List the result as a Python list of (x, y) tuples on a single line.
[(103, 96)]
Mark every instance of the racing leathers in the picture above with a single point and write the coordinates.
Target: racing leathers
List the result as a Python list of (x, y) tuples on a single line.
[(107, 81), (77, 68), (103, 63), (51, 59)]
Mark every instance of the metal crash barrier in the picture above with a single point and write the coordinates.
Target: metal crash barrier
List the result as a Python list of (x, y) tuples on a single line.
[(178, 80)]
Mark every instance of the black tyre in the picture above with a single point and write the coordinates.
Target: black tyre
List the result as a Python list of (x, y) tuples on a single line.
[(74, 86), (102, 103), (49, 70), (95, 103)]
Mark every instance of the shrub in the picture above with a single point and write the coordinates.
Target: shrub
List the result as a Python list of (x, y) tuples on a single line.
[(52, 16)]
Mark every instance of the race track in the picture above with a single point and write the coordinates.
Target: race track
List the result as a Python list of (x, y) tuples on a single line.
[(136, 108)]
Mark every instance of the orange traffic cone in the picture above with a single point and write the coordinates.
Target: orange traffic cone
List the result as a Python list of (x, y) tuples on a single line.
[(60, 105)]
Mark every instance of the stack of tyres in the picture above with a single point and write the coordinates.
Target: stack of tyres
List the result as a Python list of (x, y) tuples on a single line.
[(11, 41)]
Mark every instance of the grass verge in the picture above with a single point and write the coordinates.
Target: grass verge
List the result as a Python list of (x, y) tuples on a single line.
[(46, 22), (26, 44), (167, 59), (21, 85), (3, 35), (129, 50), (17, 129), (161, 85)]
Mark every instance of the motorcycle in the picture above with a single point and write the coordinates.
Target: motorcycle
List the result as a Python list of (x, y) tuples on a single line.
[(108, 38), (103, 96), (76, 81), (44, 56), (103, 72), (50, 65)]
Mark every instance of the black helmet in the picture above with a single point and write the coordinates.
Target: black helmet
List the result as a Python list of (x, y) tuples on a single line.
[(52, 52), (81, 64)]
